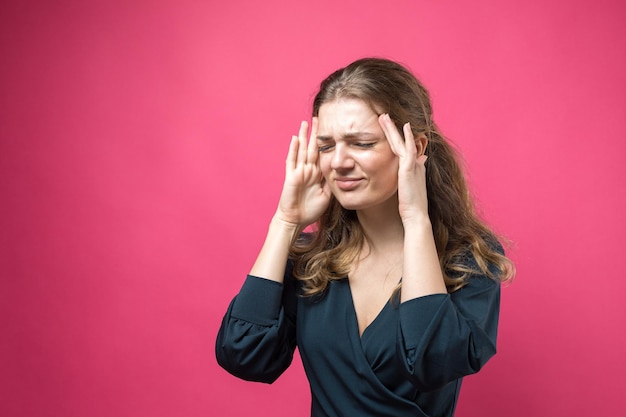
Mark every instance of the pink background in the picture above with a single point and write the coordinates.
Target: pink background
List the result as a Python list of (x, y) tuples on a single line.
[(141, 157)]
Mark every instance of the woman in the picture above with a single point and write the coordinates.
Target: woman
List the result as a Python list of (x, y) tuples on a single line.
[(394, 297)]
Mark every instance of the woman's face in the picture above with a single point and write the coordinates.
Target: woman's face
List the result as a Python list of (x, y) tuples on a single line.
[(355, 157)]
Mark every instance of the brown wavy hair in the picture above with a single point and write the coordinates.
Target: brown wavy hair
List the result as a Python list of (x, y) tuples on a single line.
[(465, 244)]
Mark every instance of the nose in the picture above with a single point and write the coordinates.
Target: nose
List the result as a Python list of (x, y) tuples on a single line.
[(341, 159)]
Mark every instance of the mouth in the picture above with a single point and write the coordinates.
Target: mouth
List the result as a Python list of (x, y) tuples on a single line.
[(348, 184)]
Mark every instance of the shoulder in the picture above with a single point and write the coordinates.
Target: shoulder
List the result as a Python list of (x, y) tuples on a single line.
[(476, 266), (475, 258)]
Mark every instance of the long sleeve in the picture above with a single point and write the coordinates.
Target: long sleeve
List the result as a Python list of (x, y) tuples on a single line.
[(444, 337), (256, 340)]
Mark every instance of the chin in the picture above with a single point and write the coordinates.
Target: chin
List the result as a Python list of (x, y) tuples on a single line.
[(364, 202), (350, 207), (351, 204)]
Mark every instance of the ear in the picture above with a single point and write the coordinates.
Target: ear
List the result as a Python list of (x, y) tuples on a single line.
[(421, 142)]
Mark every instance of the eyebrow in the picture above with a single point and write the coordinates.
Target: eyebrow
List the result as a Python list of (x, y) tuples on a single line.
[(351, 135)]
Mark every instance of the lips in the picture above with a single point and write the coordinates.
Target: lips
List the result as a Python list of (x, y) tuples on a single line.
[(347, 184)]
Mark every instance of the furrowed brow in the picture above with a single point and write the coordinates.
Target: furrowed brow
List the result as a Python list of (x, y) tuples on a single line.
[(351, 135), (358, 135), (324, 138)]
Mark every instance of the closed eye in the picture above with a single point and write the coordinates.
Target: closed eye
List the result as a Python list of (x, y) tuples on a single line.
[(365, 145), (324, 148)]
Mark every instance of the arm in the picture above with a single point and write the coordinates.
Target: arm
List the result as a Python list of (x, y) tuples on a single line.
[(441, 336), (256, 340), (421, 272)]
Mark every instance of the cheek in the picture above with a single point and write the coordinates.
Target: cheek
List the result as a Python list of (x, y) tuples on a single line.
[(375, 162), (324, 161), (384, 169)]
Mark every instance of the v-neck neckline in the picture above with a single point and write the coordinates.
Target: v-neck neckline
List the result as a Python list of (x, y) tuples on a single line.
[(355, 317)]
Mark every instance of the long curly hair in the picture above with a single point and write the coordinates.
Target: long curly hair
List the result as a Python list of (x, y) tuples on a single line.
[(460, 235)]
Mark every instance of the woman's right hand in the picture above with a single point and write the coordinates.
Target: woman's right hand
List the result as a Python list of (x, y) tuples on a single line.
[(305, 195)]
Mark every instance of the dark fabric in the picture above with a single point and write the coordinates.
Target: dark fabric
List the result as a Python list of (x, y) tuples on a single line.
[(409, 361)]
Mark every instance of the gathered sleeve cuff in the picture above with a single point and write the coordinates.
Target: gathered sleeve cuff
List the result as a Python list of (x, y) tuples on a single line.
[(416, 318), (259, 301), (444, 337), (256, 340)]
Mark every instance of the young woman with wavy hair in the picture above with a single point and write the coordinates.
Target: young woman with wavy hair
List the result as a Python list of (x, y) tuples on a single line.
[(393, 297)]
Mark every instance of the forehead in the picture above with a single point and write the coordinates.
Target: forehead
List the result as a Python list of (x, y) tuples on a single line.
[(346, 115)]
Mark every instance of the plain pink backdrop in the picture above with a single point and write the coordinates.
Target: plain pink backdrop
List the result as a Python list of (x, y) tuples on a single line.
[(142, 148)]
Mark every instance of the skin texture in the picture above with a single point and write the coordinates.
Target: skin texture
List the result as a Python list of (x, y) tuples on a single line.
[(369, 166)]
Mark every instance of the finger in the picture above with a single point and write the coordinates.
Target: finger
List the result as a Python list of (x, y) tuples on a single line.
[(392, 134), (301, 158), (312, 152), (409, 141), (293, 153)]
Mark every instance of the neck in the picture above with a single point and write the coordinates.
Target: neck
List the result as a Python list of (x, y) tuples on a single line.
[(382, 227)]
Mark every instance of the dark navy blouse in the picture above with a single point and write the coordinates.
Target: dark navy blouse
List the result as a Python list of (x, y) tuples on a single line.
[(408, 362)]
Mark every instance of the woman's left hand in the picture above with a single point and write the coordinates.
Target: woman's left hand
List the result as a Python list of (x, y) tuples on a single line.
[(412, 198)]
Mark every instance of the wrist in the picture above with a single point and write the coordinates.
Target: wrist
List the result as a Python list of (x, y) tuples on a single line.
[(280, 225), (417, 222)]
